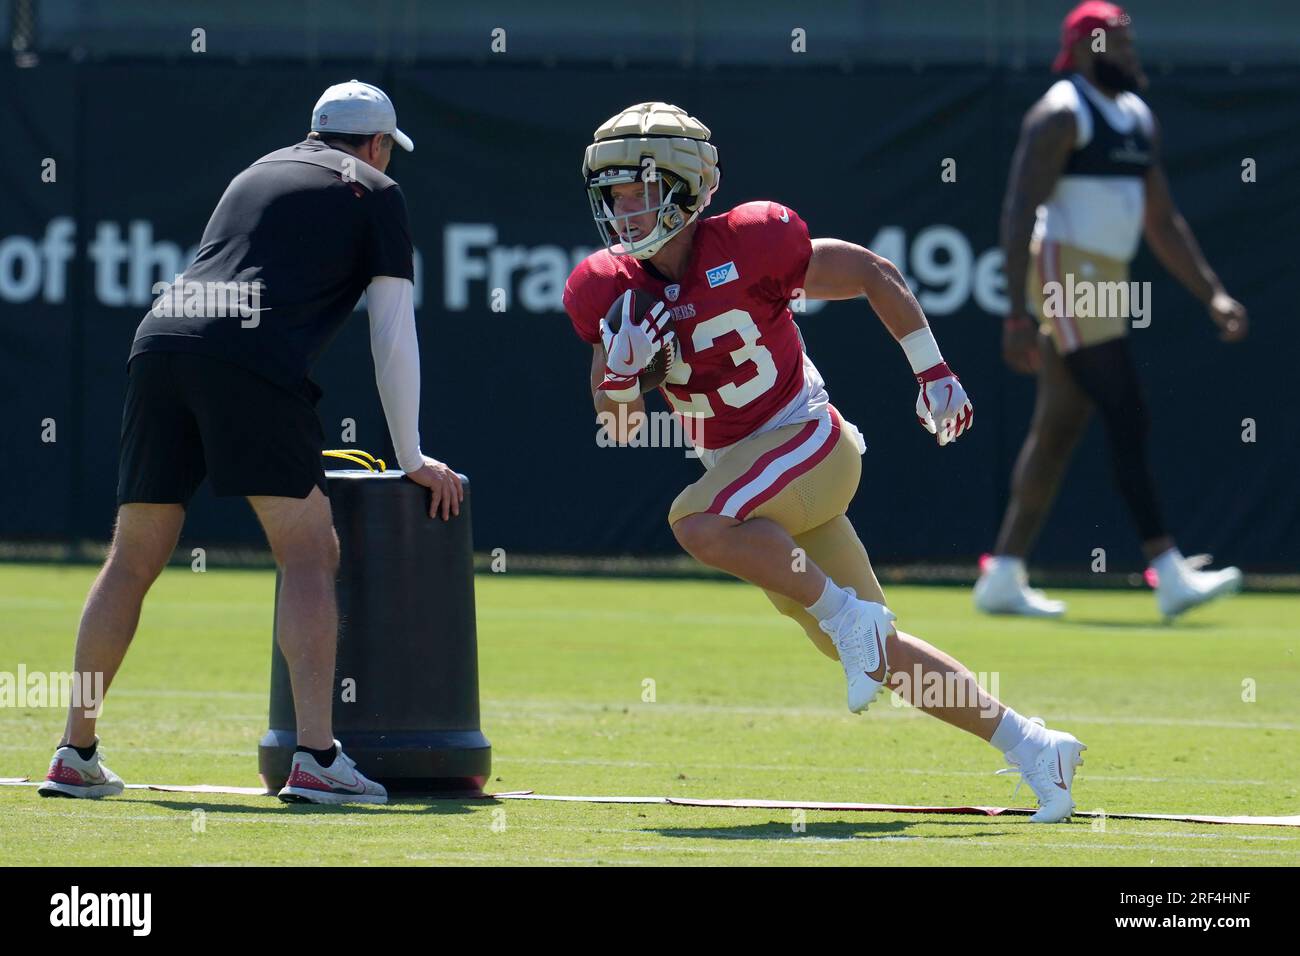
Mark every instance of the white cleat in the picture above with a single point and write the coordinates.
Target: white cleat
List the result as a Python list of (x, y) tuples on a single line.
[(1050, 774), (340, 782), (1003, 588), (859, 633), (1189, 586), (70, 776)]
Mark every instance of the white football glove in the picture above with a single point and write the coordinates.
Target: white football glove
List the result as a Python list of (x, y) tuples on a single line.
[(638, 339), (943, 407), (629, 350)]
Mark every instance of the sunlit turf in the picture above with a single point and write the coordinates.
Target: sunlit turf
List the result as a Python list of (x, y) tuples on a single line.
[(1198, 717)]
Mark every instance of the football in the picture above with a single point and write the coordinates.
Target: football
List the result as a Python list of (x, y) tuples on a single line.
[(643, 302)]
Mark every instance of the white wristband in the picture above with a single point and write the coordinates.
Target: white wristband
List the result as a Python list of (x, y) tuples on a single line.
[(921, 349), (624, 395)]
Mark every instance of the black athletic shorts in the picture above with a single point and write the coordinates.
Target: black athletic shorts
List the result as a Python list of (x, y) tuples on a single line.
[(190, 416)]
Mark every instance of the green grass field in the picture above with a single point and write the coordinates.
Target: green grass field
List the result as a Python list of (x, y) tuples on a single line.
[(744, 708)]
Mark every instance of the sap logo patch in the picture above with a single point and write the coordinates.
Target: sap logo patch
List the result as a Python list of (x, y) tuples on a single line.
[(721, 275)]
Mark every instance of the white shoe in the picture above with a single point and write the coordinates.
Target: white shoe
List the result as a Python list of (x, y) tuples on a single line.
[(1050, 774), (1003, 588), (70, 776), (340, 782), (1181, 585), (859, 632)]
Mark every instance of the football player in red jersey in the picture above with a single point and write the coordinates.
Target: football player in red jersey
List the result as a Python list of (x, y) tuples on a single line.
[(781, 463)]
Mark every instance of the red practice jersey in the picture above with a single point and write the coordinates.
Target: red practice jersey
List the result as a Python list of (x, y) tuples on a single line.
[(740, 366)]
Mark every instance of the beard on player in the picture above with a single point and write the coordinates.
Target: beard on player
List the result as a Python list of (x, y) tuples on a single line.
[(1119, 76)]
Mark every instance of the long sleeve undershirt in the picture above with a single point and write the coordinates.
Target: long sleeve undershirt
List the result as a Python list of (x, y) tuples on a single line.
[(396, 352)]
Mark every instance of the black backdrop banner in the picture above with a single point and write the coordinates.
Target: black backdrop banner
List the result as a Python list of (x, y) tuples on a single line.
[(110, 170)]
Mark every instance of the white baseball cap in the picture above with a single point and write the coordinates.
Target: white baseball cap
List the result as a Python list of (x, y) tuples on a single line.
[(356, 107)]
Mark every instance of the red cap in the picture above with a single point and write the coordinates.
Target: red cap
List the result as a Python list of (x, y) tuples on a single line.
[(1079, 24)]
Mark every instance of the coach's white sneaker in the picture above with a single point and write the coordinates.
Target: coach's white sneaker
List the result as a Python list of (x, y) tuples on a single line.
[(859, 632), (1050, 774), (70, 776), (1003, 588), (340, 782), (1181, 585)]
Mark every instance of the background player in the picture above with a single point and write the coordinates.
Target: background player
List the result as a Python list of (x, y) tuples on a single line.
[(781, 463), (1086, 183)]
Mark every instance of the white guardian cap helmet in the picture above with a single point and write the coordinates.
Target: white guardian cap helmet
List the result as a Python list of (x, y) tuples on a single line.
[(653, 144)]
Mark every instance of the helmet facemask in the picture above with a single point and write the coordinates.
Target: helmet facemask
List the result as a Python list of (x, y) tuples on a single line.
[(616, 231), (649, 143)]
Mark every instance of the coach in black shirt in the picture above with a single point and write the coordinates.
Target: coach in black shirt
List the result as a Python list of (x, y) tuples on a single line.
[(218, 387)]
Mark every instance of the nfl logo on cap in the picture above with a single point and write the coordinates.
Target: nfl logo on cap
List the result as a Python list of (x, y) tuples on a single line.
[(358, 107)]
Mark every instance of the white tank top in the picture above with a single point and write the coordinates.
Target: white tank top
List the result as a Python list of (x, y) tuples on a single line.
[(1099, 213)]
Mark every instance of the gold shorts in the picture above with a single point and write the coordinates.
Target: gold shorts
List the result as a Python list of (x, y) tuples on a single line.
[(1073, 270), (802, 477)]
